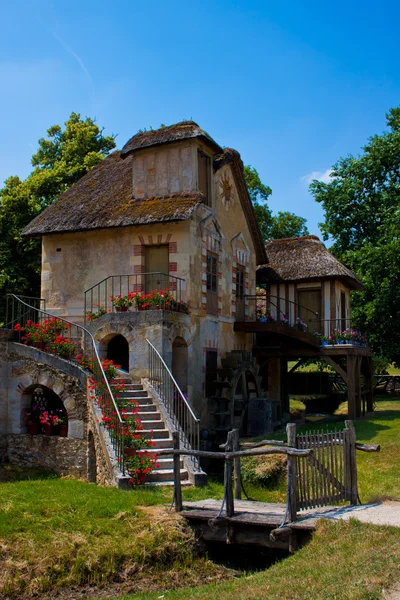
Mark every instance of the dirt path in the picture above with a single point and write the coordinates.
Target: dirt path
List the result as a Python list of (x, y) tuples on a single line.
[(386, 513)]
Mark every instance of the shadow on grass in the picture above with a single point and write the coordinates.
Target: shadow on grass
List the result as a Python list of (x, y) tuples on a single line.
[(10, 474)]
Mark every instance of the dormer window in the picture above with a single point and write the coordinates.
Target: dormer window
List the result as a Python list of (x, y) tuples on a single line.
[(204, 179)]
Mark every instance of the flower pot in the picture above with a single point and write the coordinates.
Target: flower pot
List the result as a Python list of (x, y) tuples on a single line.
[(121, 308), (63, 430), (33, 428), (130, 451), (39, 345), (48, 429)]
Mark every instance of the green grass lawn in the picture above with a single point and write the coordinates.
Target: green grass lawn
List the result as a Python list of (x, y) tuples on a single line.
[(55, 533)]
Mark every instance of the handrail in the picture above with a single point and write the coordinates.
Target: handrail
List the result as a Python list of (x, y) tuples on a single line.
[(175, 402), (98, 296), (116, 433)]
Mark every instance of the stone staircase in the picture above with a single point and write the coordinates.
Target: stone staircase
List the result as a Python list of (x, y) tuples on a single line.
[(155, 429)]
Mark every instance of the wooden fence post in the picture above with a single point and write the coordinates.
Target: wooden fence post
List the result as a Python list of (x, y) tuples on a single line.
[(350, 463), (177, 474), (237, 478), (230, 509), (292, 472)]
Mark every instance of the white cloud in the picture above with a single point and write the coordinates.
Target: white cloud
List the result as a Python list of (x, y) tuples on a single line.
[(324, 176)]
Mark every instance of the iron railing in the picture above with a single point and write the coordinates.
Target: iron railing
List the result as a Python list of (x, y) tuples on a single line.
[(20, 313), (267, 308), (98, 297), (175, 402)]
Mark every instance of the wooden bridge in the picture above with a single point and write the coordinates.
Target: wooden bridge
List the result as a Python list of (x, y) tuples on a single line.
[(321, 473)]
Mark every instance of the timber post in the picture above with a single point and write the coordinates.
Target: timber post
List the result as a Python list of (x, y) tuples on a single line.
[(177, 474), (292, 472), (350, 463), (237, 478), (230, 509)]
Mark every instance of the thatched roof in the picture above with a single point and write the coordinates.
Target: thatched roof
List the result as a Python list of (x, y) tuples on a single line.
[(103, 198), (303, 259), (167, 135)]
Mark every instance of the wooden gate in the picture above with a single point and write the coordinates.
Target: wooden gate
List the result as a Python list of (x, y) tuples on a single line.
[(329, 474)]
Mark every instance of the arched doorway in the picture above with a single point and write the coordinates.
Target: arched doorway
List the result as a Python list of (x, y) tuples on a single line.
[(44, 412), (92, 462), (118, 351), (180, 363)]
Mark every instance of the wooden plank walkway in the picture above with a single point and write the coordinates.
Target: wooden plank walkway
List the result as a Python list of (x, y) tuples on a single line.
[(248, 512)]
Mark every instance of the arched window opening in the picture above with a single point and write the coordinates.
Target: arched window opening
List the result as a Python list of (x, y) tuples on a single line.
[(118, 351), (46, 413)]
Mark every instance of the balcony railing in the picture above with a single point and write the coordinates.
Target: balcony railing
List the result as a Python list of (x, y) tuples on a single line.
[(98, 298), (274, 309)]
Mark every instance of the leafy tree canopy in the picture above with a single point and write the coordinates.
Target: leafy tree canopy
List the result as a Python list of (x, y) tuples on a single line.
[(61, 159), (362, 215), (284, 224)]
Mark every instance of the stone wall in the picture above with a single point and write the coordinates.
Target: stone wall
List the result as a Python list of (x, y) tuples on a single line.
[(64, 456)]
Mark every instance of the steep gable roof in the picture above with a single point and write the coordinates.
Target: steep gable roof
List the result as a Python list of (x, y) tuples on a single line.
[(232, 157), (103, 198), (303, 259)]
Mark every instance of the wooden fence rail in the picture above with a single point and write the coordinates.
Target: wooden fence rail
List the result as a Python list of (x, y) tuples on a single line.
[(321, 467)]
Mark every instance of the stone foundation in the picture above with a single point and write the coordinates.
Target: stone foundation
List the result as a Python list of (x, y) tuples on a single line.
[(64, 456)]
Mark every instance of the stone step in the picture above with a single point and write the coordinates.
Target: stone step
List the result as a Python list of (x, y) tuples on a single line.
[(165, 475), (166, 463), (147, 407), (156, 424), (157, 434), (133, 393), (148, 415), (161, 443), (185, 483), (141, 400)]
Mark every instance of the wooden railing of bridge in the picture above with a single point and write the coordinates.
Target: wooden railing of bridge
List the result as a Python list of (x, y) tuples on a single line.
[(321, 467)]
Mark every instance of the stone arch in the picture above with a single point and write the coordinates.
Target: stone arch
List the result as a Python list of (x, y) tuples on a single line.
[(38, 398), (66, 387), (182, 331), (117, 350), (105, 334)]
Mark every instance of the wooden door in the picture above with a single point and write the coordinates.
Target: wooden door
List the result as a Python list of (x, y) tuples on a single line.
[(156, 268), (309, 309)]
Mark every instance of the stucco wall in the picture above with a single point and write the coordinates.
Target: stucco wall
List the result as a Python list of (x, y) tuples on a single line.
[(164, 170), (73, 262)]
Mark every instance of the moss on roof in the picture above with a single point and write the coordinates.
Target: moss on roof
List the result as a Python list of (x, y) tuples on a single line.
[(303, 259), (103, 198), (167, 135)]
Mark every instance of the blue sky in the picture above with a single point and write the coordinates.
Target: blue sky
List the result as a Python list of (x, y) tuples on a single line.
[(291, 85)]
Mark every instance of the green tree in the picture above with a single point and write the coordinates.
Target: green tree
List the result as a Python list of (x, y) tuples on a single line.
[(362, 216), (61, 159), (284, 224)]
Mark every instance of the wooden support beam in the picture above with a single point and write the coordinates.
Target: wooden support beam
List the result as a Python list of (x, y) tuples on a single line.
[(177, 474), (236, 465), (292, 472), (351, 463), (230, 509), (337, 367)]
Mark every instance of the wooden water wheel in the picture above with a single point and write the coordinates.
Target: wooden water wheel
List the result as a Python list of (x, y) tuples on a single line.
[(238, 381)]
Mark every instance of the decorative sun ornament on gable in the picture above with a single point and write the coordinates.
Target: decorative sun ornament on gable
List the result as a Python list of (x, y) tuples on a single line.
[(226, 187)]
